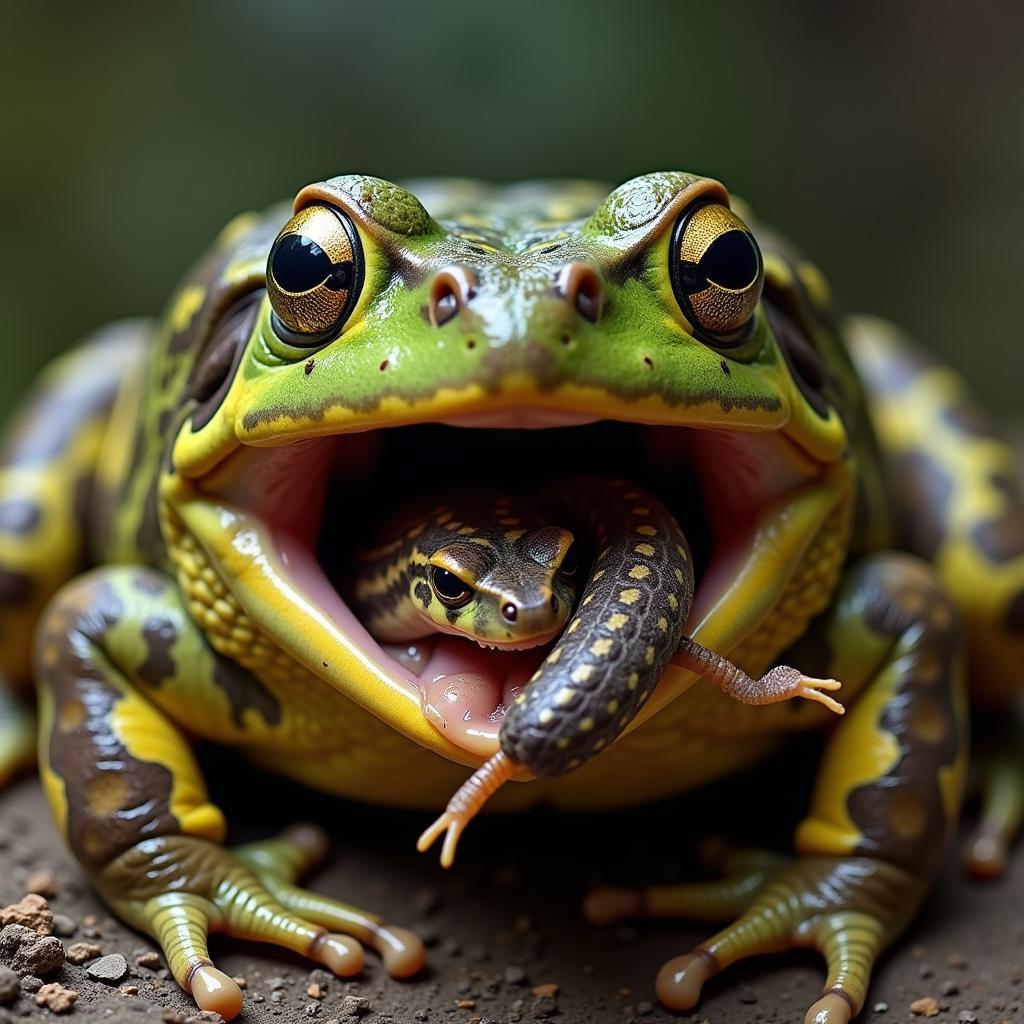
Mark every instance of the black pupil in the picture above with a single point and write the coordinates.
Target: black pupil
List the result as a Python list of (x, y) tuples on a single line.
[(448, 585), (299, 264), (570, 561), (730, 260)]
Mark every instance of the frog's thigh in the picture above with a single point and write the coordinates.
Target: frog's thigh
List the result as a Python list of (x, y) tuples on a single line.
[(127, 794), (891, 781)]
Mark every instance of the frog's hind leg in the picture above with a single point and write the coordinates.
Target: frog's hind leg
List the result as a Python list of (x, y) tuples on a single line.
[(883, 810), (959, 497), (116, 649), (47, 467)]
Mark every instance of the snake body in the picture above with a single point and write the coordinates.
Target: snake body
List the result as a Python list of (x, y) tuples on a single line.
[(627, 623)]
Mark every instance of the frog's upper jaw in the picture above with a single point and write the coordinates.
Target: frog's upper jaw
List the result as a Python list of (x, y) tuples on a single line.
[(277, 523)]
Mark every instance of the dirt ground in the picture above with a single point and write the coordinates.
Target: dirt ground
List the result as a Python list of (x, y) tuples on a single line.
[(506, 918)]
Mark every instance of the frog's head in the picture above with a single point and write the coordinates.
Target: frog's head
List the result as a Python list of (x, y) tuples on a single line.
[(405, 342)]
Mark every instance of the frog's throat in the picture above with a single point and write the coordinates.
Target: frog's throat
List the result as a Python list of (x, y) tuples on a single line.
[(244, 538)]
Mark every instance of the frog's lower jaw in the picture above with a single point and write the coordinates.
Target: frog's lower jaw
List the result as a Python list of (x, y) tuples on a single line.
[(271, 527)]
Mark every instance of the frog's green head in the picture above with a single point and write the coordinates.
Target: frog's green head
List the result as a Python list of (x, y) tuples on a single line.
[(454, 333)]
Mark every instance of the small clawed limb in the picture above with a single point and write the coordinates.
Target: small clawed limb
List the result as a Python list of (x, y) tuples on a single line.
[(464, 806), (781, 683), (247, 895)]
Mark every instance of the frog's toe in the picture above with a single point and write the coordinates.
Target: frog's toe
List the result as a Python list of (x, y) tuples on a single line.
[(1002, 809), (745, 873), (279, 862), (846, 909)]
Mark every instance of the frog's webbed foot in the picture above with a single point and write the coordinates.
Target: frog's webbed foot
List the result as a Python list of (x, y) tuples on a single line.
[(847, 909), (180, 888)]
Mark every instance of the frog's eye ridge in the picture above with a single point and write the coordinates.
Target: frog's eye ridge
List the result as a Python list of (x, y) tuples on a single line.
[(717, 272), (314, 273)]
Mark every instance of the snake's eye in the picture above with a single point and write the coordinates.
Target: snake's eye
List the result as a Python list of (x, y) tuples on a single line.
[(717, 272), (570, 561), (314, 273), (451, 591)]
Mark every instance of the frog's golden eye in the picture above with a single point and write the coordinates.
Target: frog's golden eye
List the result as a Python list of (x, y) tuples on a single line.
[(314, 273), (717, 272)]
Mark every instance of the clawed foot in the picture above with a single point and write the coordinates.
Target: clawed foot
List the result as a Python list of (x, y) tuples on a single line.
[(848, 909), (179, 889)]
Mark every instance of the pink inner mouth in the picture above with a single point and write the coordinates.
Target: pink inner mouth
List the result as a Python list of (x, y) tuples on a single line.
[(463, 689)]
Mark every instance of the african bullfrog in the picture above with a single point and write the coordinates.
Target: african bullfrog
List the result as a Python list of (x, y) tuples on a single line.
[(182, 504)]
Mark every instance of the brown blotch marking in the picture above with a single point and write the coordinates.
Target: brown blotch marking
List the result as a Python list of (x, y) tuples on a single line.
[(15, 587), (423, 594), (1002, 539), (1014, 620), (19, 516), (901, 816), (160, 634), (311, 363), (924, 495), (77, 678), (244, 692)]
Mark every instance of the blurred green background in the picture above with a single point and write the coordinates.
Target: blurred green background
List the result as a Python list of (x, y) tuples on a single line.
[(885, 138)]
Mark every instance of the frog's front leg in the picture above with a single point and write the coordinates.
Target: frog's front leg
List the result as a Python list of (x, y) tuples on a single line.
[(128, 796), (888, 794)]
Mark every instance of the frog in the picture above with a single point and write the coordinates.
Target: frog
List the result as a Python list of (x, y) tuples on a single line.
[(176, 498)]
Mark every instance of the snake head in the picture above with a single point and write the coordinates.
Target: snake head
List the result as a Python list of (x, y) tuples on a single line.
[(510, 588)]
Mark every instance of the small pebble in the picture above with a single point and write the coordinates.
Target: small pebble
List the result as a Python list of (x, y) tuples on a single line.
[(925, 1007), (465, 1004), (42, 882), (925, 971), (82, 952), (109, 969), (546, 991), (129, 990), (314, 991), (30, 983), (354, 1006), (949, 988), (30, 911), (56, 998), (28, 952), (967, 1017), (150, 960), (881, 1008), (64, 926)]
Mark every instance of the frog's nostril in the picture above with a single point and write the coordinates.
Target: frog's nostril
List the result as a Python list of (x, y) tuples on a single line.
[(450, 290), (510, 612), (580, 286)]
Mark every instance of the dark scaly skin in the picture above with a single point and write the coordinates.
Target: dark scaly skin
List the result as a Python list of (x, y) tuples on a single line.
[(627, 626)]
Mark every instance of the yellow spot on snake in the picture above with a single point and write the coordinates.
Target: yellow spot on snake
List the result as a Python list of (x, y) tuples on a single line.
[(598, 574), (562, 743), (545, 716), (681, 551), (582, 674), (639, 572), (514, 534), (647, 531), (679, 575), (467, 530), (630, 596), (634, 681), (649, 655), (673, 602), (663, 624), (613, 706), (509, 521), (564, 696), (482, 541), (588, 599), (599, 648), (586, 725), (573, 626), (553, 657), (445, 517), (644, 549), (617, 620)]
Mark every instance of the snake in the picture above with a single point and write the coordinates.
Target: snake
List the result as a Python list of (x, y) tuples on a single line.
[(508, 573)]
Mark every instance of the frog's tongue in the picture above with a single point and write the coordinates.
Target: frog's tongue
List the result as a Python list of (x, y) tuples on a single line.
[(466, 690)]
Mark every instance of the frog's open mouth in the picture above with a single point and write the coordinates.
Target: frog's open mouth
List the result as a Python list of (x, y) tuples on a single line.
[(282, 523)]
